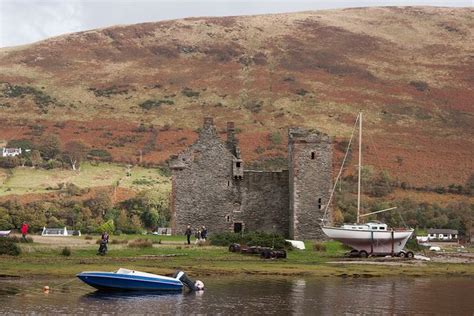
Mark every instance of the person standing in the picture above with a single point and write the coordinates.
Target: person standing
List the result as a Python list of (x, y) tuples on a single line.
[(204, 233), (188, 233), (198, 236), (24, 230)]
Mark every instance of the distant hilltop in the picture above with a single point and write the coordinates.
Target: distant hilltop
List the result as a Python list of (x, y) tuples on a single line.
[(140, 91)]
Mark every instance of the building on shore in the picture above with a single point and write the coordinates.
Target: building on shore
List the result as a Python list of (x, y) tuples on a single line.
[(212, 187)]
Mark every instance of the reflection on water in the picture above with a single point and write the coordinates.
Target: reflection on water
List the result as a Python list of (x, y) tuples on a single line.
[(251, 295)]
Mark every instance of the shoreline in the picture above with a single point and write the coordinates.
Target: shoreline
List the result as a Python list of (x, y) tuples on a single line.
[(43, 258), (329, 267)]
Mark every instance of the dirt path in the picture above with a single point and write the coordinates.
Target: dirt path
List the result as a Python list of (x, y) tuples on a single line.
[(62, 241)]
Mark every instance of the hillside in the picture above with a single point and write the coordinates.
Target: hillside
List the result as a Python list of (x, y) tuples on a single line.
[(411, 70)]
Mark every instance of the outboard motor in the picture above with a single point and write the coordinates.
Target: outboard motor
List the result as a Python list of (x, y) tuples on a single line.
[(190, 284)]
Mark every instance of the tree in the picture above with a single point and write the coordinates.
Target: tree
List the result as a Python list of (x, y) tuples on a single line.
[(100, 204), (380, 185), (122, 221), (35, 158), (75, 152), (135, 224), (150, 218), (20, 143), (50, 146), (108, 227)]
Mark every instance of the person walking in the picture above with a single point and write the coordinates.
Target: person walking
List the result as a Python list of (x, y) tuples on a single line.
[(24, 230), (188, 234)]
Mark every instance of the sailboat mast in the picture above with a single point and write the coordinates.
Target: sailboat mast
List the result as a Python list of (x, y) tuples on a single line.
[(360, 166)]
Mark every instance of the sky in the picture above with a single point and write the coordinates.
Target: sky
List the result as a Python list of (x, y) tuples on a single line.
[(27, 21)]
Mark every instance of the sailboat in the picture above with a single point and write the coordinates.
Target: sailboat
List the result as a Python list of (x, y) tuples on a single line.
[(372, 238)]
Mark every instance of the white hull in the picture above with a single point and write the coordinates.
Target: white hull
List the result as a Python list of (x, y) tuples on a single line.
[(376, 242)]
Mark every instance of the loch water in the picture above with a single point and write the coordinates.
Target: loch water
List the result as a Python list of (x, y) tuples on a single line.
[(249, 295)]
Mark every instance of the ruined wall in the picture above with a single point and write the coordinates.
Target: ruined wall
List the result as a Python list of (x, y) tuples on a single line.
[(202, 191), (264, 202), (310, 176), (211, 187)]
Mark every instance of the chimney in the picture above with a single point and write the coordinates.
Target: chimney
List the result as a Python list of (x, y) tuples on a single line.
[(208, 122), (231, 141)]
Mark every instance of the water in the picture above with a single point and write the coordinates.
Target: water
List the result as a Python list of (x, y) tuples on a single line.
[(251, 295)]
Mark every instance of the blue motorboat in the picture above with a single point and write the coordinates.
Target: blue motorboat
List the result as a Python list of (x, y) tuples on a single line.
[(131, 280)]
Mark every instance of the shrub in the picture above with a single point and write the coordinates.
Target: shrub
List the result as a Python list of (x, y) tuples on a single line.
[(189, 92), (419, 85), (259, 150), (9, 162), (319, 247), (301, 92), (118, 241), (66, 251), (250, 239), (149, 104), (253, 106), (8, 247), (41, 99), (275, 138), (413, 245), (20, 143), (141, 243), (100, 154)]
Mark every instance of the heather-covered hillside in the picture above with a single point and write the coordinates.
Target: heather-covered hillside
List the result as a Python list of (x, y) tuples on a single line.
[(145, 88)]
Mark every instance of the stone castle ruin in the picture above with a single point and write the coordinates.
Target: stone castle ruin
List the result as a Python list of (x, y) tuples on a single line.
[(211, 187)]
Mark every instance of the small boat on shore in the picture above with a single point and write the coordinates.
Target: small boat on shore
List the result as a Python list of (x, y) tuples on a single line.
[(131, 280)]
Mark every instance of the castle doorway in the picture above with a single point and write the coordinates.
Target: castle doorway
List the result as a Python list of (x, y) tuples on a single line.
[(237, 227)]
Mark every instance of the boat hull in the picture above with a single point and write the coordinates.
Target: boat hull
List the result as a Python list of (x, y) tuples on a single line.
[(373, 242), (126, 282)]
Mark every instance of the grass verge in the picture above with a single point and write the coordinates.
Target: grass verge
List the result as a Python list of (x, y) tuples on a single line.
[(39, 259)]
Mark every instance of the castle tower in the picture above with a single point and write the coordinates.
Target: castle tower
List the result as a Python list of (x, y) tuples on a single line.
[(310, 181)]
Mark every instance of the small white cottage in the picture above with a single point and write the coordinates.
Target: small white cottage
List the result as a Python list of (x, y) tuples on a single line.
[(442, 234), (10, 152)]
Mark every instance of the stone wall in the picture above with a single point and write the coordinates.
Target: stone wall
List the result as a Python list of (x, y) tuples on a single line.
[(265, 202), (211, 188), (202, 192), (310, 175)]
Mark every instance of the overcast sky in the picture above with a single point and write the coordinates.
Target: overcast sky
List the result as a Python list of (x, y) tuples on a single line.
[(26, 21)]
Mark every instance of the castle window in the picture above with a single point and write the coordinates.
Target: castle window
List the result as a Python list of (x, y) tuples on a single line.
[(237, 164), (228, 183), (227, 218), (319, 204), (313, 155)]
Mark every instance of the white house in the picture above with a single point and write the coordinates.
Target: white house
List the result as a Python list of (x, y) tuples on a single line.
[(59, 232), (442, 234), (10, 152)]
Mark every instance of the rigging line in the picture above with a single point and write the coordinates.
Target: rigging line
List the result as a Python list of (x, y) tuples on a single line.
[(342, 168)]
